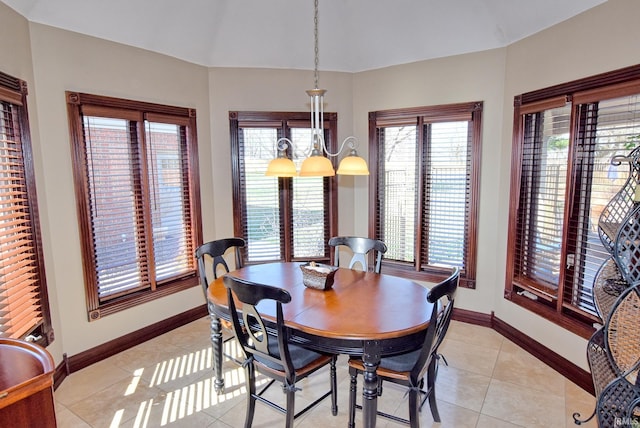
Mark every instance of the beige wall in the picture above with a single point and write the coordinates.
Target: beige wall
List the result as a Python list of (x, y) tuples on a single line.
[(602, 39), (16, 60), (69, 61), (15, 52), (53, 61)]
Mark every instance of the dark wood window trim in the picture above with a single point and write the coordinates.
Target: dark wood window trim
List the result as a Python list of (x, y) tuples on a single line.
[(24, 302), (282, 122), (578, 94), (422, 116), (137, 114)]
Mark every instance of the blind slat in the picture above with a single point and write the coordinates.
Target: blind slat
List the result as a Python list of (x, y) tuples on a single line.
[(120, 224), (606, 126), (20, 280)]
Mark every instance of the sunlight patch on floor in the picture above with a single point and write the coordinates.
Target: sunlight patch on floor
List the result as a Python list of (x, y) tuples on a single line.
[(188, 400), (182, 366)]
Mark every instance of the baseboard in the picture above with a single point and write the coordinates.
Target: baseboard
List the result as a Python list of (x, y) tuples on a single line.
[(576, 374), (470, 317), (108, 349), (566, 368)]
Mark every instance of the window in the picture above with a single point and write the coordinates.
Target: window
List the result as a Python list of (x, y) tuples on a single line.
[(136, 177), (24, 306), (562, 178), (424, 195), (282, 219)]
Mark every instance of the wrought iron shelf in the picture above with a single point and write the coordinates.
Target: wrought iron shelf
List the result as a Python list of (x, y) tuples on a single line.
[(613, 351)]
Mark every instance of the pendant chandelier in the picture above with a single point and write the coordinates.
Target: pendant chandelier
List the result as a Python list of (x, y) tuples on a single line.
[(316, 164)]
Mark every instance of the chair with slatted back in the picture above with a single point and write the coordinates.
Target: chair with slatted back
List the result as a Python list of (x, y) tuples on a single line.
[(410, 369), (211, 258), (360, 247), (270, 352)]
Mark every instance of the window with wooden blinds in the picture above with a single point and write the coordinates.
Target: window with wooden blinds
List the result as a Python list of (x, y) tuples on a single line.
[(136, 175), (426, 189), (24, 308), (281, 219), (565, 138), (545, 154)]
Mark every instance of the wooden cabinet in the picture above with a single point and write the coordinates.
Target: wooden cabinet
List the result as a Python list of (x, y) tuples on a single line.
[(26, 385)]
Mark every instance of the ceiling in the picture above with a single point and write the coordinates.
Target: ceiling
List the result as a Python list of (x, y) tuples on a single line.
[(354, 35)]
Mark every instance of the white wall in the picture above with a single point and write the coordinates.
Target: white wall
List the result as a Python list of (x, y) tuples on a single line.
[(53, 61)]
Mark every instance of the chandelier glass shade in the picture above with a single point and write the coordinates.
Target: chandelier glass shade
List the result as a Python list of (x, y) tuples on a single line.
[(352, 164), (281, 166), (316, 166)]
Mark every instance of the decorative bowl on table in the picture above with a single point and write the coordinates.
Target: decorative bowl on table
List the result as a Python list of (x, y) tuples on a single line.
[(317, 275)]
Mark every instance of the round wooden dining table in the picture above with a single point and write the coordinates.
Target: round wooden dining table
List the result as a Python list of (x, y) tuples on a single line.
[(364, 314)]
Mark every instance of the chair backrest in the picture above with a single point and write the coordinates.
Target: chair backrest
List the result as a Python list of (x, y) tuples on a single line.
[(439, 324), (272, 349), (215, 250), (360, 248)]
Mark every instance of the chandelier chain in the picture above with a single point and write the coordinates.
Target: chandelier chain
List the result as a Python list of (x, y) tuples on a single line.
[(315, 36)]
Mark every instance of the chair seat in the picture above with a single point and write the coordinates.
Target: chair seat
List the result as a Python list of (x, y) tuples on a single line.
[(402, 362), (397, 367), (304, 360)]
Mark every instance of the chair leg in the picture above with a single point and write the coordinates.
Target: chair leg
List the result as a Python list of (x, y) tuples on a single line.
[(414, 404), (291, 406), (431, 389), (251, 395), (352, 396), (334, 386)]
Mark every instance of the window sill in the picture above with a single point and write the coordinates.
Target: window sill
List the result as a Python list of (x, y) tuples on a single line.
[(433, 276), (141, 297)]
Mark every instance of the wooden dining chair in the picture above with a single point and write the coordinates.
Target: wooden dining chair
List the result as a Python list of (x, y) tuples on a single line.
[(410, 369), (360, 247), (270, 353), (211, 258)]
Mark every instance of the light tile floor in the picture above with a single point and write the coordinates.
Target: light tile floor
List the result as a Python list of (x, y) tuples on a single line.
[(167, 381)]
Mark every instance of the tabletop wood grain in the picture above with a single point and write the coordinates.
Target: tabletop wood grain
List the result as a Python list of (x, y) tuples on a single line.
[(360, 305)]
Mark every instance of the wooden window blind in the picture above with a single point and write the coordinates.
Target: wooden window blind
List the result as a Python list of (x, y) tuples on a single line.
[(447, 184), (282, 219), (138, 199), (263, 218), (398, 198), (309, 222), (426, 188), (24, 308), (543, 187), (170, 198), (562, 178)]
